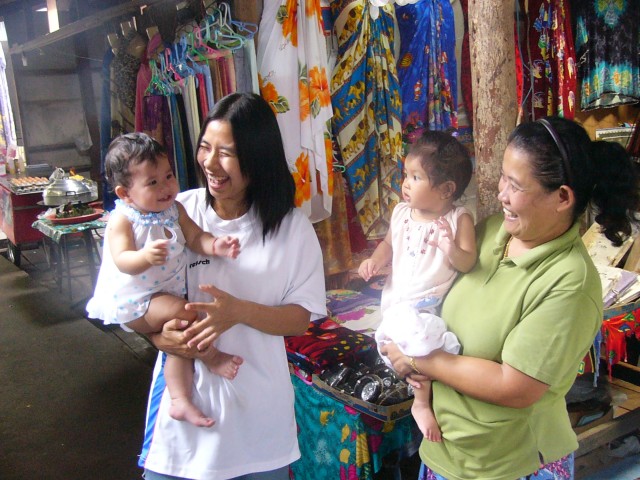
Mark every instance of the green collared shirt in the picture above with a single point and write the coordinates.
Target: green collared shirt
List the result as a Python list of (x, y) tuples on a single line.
[(539, 313)]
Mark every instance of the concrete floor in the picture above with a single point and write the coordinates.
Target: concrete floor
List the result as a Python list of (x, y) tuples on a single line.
[(73, 395)]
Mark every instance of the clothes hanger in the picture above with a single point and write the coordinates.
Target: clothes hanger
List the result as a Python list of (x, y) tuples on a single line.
[(157, 84), (224, 35), (115, 42), (170, 74), (179, 60), (200, 46)]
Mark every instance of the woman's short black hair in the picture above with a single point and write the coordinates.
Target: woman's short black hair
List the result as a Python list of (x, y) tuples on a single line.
[(260, 151), (598, 172), (127, 150)]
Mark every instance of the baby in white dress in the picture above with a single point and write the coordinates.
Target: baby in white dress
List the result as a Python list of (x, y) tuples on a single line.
[(141, 284), (430, 240)]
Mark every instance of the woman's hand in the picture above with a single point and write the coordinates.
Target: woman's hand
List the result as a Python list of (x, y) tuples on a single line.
[(172, 339), (219, 317), (402, 365)]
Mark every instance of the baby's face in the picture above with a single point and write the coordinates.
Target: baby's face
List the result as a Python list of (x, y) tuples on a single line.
[(153, 187)]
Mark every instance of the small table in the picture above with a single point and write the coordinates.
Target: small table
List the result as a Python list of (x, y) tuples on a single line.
[(58, 234), (338, 442)]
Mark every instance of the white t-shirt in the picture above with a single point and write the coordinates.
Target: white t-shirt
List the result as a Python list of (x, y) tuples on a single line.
[(255, 427)]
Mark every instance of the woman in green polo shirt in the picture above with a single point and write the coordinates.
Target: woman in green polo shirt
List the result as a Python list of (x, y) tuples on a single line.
[(528, 312)]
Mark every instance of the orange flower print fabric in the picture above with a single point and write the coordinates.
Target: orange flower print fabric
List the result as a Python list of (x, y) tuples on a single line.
[(292, 66)]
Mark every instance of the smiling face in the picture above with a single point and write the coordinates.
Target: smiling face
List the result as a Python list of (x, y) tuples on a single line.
[(153, 188), (531, 214), (219, 162)]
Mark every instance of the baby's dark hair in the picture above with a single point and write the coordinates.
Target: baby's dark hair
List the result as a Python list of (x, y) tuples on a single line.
[(127, 150), (444, 159)]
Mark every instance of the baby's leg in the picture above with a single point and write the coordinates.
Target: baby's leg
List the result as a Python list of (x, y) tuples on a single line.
[(423, 414), (178, 371), (221, 363), (178, 374), (217, 362)]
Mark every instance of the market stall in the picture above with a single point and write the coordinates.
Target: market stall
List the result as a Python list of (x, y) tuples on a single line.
[(20, 205)]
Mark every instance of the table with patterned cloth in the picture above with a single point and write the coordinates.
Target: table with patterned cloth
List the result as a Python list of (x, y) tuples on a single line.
[(58, 236), (338, 442)]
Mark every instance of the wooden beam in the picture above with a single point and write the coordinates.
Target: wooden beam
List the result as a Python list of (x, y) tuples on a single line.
[(495, 106), (82, 25), (607, 432)]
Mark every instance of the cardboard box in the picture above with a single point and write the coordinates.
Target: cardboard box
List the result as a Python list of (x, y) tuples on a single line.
[(582, 421), (381, 412)]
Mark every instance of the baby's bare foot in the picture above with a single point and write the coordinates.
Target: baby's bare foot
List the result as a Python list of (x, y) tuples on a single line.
[(182, 409), (223, 364), (426, 421)]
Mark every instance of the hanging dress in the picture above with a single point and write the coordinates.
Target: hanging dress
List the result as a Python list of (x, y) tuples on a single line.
[(367, 109), (549, 84), (563, 57), (607, 49), (292, 72), (427, 67)]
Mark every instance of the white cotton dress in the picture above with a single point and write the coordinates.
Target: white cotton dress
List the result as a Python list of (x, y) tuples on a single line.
[(119, 297), (421, 277)]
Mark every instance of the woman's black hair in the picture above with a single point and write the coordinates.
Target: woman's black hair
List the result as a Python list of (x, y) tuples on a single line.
[(127, 150), (444, 159), (260, 151), (561, 153)]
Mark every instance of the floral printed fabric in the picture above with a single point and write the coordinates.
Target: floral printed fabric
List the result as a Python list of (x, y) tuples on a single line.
[(559, 470), (338, 442), (292, 66), (367, 108), (427, 67), (607, 48)]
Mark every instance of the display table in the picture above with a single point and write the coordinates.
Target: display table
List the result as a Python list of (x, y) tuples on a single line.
[(339, 442), (18, 210), (58, 237)]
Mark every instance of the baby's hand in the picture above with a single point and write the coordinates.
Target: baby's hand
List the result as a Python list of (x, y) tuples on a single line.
[(444, 239), (156, 252), (368, 269), (226, 246)]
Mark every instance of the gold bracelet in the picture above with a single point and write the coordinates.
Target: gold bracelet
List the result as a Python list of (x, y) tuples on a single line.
[(414, 367)]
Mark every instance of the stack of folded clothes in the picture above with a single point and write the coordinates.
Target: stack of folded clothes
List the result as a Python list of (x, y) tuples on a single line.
[(326, 344), (354, 310)]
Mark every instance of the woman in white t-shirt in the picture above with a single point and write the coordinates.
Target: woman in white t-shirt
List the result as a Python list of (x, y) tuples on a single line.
[(274, 288)]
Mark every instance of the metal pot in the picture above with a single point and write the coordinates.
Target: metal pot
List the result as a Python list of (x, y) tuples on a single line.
[(65, 190)]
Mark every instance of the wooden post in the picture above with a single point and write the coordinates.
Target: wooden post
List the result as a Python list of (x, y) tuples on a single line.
[(492, 49)]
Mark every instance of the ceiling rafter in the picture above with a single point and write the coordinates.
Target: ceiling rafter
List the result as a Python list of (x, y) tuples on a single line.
[(87, 23)]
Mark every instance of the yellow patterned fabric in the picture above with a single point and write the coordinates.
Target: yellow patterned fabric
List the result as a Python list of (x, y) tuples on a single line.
[(367, 108)]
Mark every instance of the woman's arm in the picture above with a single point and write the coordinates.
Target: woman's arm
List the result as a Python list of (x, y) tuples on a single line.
[(482, 379), (225, 311)]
